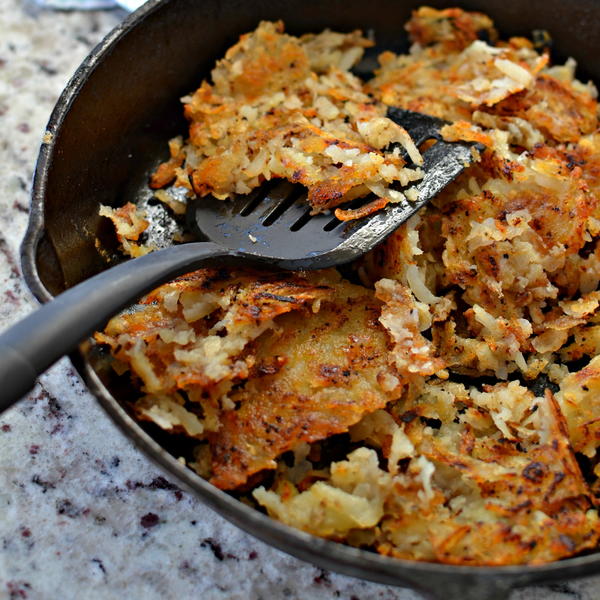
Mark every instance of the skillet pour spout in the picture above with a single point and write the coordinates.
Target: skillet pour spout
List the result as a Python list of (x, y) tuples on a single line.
[(78, 170)]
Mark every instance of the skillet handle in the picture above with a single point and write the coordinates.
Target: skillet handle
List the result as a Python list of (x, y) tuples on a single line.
[(31, 346)]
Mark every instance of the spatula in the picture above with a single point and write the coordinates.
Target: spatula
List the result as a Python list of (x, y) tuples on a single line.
[(270, 228)]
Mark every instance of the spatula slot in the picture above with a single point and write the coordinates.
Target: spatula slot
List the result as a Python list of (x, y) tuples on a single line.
[(290, 197), (302, 221), (332, 224), (253, 200)]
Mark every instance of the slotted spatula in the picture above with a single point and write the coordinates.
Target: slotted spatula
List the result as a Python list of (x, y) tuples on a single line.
[(271, 228)]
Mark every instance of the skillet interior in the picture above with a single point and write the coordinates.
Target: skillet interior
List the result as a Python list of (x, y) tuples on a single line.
[(110, 129)]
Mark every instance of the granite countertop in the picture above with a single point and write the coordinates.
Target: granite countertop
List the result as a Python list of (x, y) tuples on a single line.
[(83, 514)]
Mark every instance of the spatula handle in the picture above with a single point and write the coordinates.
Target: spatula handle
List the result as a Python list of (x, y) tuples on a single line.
[(31, 346)]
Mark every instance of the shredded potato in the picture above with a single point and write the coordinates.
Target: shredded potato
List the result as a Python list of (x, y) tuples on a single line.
[(446, 409), (286, 107)]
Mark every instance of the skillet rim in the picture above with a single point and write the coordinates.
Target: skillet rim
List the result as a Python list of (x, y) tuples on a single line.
[(437, 580)]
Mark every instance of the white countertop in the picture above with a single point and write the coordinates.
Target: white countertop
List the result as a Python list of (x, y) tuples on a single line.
[(83, 514)]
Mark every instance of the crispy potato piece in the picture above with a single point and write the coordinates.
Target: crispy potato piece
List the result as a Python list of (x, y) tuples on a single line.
[(529, 498), (330, 370), (456, 72), (187, 342), (287, 107), (554, 107), (129, 222), (262, 381), (193, 330), (452, 28), (579, 401)]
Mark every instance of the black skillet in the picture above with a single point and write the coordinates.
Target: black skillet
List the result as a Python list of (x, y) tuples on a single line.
[(109, 130)]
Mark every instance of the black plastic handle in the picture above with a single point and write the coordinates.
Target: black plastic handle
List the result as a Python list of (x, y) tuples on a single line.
[(31, 346)]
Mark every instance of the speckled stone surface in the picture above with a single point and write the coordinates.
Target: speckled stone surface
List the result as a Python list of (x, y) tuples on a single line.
[(82, 513)]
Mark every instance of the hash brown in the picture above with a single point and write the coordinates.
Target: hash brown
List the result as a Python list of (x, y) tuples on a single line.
[(398, 414)]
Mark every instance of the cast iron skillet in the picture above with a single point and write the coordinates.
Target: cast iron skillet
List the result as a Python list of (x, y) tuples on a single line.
[(110, 128)]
